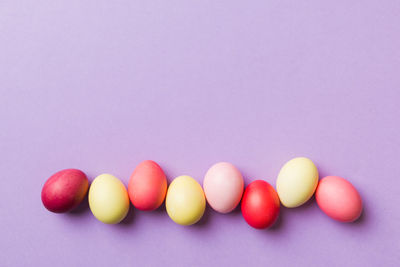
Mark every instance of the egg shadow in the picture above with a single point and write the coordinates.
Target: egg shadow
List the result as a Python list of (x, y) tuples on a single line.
[(236, 211), (363, 217), (287, 212), (129, 218), (81, 209), (133, 212), (159, 212), (278, 225), (205, 219)]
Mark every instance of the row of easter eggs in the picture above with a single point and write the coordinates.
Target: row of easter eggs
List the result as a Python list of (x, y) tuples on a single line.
[(185, 199)]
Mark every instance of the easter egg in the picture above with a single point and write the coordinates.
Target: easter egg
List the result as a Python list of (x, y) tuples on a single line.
[(260, 205), (297, 181), (185, 201), (339, 199), (223, 187), (147, 186), (108, 199), (64, 190)]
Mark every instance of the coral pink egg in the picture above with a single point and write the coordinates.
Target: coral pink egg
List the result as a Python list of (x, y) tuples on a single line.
[(338, 199), (223, 186), (260, 204), (147, 186)]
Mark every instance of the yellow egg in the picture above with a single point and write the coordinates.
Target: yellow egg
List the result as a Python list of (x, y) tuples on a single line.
[(108, 199), (185, 201), (297, 182)]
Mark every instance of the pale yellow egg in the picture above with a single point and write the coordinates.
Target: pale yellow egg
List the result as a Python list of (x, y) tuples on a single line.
[(108, 199), (185, 201), (297, 182)]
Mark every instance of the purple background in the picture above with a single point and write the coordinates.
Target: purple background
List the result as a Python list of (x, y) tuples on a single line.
[(102, 85)]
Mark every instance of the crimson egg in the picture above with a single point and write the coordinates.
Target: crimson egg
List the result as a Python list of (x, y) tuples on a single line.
[(64, 190), (260, 204)]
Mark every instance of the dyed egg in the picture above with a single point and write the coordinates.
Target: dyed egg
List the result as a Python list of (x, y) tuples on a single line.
[(108, 199), (260, 205), (223, 187), (185, 201), (297, 182), (64, 190), (147, 186), (338, 199)]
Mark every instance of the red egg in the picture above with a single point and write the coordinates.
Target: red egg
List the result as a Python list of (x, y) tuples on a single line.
[(339, 199), (260, 204), (64, 190), (147, 186)]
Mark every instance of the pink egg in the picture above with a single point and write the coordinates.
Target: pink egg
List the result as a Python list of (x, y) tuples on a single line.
[(147, 186), (223, 187), (338, 199)]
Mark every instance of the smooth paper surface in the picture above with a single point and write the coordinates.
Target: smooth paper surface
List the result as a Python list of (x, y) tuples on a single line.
[(103, 85)]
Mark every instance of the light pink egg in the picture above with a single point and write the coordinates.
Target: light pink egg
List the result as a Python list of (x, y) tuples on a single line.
[(339, 199), (223, 187)]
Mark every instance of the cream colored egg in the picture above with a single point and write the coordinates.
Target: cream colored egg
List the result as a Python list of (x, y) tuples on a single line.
[(108, 199), (297, 182), (185, 201)]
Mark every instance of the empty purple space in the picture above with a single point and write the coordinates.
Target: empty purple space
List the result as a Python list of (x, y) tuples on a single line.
[(102, 85)]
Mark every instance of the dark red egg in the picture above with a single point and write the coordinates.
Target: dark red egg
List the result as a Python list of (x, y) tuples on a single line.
[(64, 190)]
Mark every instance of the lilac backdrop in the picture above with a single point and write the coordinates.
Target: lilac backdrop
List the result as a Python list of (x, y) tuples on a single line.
[(102, 85)]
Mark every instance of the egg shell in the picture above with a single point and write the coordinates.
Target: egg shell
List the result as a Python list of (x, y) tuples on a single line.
[(260, 204), (64, 190), (339, 199), (223, 187), (147, 186), (108, 199), (185, 201), (296, 182)]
